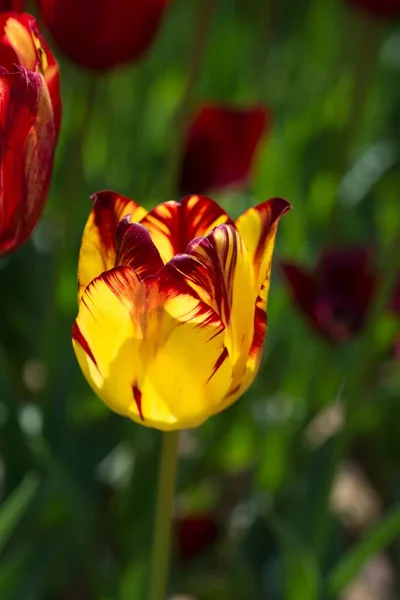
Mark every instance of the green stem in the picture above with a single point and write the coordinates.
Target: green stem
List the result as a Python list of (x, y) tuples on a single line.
[(184, 111), (162, 526)]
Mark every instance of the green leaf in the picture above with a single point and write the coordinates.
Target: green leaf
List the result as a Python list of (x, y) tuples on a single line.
[(14, 507), (301, 570), (380, 536)]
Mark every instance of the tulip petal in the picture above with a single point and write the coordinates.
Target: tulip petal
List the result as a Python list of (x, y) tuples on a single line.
[(218, 270), (172, 225), (138, 251), (258, 227), (99, 244), (22, 43), (149, 352), (26, 154)]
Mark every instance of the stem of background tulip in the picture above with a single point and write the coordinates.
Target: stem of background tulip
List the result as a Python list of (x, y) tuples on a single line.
[(364, 47), (267, 19), (358, 383), (73, 183), (159, 565), (185, 108)]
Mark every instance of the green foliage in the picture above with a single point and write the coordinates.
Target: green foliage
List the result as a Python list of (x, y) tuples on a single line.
[(264, 468)]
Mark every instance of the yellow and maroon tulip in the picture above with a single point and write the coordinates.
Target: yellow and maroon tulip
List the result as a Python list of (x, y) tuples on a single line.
[(29, 116), (102, 34), (172, 305)]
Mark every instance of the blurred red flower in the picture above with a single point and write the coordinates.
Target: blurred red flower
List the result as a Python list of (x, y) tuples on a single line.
[(16, 5), (378, 8), (102, 34), (220, 147), (334, 297), (196, 533), (29, 114)]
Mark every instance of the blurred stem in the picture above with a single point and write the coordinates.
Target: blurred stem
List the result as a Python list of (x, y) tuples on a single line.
[(73, 183), (185, 108), (268, 11), (362, 44), (162, 526), (357, 387)]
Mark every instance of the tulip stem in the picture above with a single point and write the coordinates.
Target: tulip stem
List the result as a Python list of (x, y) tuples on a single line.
[(185, 108), (159, 565)]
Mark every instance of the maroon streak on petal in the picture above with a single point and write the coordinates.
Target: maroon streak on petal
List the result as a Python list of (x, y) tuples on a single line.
[(137, 394), (181, 222), (220, 361), (78, 336), (138, 251), (124, 282), (270, 212), (260, 327), (107, 210)]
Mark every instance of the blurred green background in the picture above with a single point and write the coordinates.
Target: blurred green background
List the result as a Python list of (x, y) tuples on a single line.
[(303, 473)]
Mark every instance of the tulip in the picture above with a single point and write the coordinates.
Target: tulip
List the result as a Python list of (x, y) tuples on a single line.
[(28, 126), (378, 8), (220, 146), (196, 533), (22, 44), (102, 34), (172, 305), (335, 297)]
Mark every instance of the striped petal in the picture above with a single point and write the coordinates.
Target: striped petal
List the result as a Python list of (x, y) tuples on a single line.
[(99, 240), (218, 269), (149, 352), (172, 225), (258, 227)]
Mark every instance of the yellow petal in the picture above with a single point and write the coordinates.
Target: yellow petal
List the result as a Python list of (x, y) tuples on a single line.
[(98, 248), (149, 352), (257, 228), (173, 225), (218, 269)]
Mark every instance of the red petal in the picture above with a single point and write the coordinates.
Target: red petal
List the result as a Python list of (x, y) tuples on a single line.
[(21, 43), (26, 154), (102, 34), (173, 225), (220, 147), (137, 250)]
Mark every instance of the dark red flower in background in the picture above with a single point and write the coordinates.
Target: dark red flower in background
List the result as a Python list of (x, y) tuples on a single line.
[(196, 533), (220, 147), (378, 8), (29, 99), (16, 5), (102, 34), (335, 296)]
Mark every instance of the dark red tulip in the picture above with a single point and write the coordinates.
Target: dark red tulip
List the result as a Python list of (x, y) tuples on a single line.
[(27, 126), (196, 533), (220, 147), (15, 5), (21, 43), (378, 8), (102, 34), (335, 296)]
